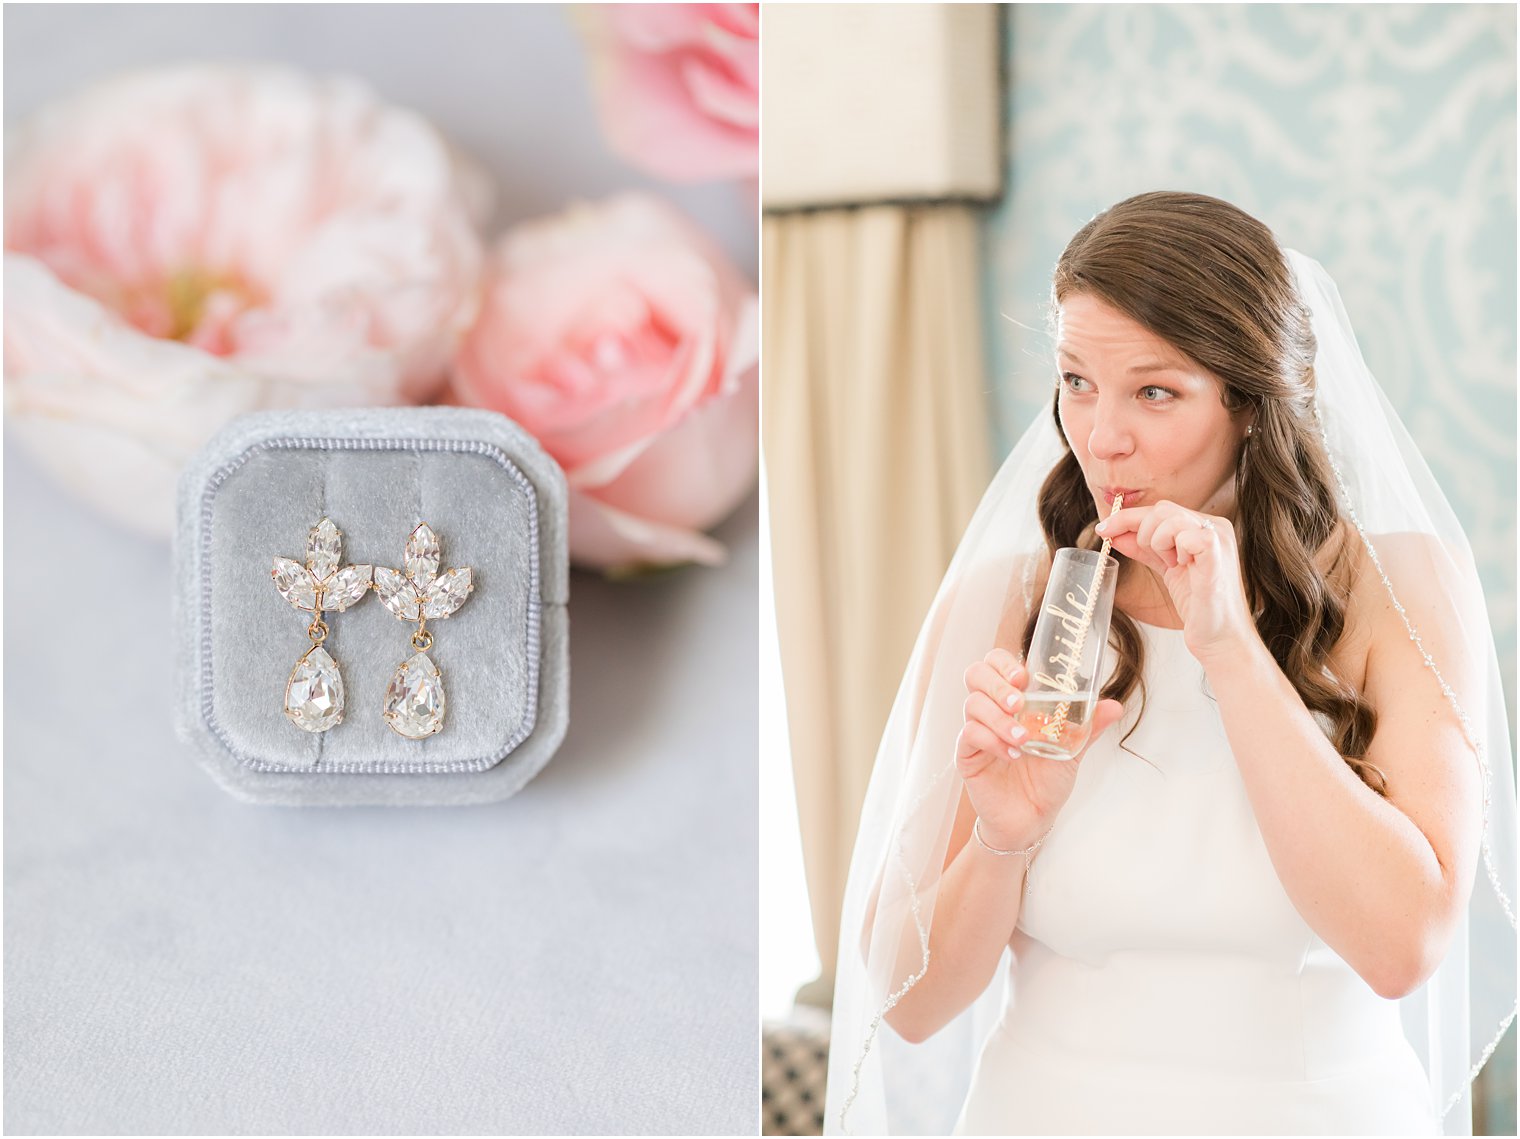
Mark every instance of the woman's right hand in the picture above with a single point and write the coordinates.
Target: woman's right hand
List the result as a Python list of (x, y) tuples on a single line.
[(1016, 795)]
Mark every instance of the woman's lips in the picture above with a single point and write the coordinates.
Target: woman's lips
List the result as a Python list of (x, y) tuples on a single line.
[(1131, 496)]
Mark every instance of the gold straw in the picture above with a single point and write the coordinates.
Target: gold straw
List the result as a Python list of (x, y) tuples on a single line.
[(1057, 722), (1109, 542)]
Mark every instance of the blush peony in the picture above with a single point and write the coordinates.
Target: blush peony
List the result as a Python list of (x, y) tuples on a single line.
[(186, 244), (620, 338), (678, 86)]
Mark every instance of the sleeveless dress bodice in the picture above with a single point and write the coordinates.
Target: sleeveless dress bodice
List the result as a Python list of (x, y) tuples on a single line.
[(1160, 980)]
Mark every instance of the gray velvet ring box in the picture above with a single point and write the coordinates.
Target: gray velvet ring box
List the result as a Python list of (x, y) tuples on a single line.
[(496, 502)]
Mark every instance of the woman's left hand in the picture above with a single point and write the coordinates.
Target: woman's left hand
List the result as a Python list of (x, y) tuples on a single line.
[(1196, 556)]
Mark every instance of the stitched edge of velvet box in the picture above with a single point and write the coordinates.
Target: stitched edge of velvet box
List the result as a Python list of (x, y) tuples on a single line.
[(431, 430)]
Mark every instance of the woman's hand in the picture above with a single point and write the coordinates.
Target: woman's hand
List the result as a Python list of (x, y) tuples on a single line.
[(1015, 795), (1196, 556)]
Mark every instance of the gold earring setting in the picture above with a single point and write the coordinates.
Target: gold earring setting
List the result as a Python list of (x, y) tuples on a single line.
[(415, 700), (314, 691)]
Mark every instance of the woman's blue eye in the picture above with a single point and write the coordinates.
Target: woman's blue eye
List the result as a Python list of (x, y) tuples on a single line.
[(1151, 393)]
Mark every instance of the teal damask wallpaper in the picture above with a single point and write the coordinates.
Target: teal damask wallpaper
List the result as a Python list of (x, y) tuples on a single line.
[(1379, 139)]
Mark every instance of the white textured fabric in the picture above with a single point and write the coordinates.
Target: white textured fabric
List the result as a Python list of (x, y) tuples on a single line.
[(1162, 982)]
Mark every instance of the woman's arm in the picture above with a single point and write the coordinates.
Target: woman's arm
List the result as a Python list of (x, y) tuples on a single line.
[(1383, 882), (978, 906), (1017, 797), (980, 894)]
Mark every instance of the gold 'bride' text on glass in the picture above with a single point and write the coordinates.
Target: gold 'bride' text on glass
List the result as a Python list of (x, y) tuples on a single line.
[(1066, 653)]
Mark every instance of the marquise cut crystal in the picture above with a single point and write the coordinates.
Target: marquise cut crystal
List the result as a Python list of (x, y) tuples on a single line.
[(396, 593), (345, 587), (314, 692), (422, 555), (447, 593), (324, 546), (295, 583), (414, 700)]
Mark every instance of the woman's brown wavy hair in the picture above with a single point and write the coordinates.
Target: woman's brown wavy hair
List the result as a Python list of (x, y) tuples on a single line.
[(1212, 281)]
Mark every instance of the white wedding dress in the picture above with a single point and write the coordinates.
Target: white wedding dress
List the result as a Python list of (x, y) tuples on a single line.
[(1161, 982)]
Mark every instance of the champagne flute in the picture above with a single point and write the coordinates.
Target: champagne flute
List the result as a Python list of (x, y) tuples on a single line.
[(1066, 653)]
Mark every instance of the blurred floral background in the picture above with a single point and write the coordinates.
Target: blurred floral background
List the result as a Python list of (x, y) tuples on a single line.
[(191, 241)]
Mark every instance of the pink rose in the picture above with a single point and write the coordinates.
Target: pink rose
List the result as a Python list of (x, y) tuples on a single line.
[(187, 244), (678, 86), (620, 338)]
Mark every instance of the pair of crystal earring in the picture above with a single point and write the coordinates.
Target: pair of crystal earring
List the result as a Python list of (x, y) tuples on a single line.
[(414, 700)]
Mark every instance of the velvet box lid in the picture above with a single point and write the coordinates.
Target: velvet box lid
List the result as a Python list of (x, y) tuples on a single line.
[(497, 504)]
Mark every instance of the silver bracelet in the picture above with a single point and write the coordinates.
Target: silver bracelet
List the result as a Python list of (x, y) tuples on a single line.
[(976, 833)]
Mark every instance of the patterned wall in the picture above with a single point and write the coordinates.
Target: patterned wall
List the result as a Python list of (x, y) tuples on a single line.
[(1378, 139)]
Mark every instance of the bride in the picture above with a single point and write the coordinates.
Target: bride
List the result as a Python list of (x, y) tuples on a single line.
[(1248, 906)]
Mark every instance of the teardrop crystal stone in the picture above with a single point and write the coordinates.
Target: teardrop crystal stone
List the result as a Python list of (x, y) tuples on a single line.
[(314, 692), (414, 699)]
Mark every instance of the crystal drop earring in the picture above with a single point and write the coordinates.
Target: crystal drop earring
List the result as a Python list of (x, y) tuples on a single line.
[(414, 700), (314, 691)]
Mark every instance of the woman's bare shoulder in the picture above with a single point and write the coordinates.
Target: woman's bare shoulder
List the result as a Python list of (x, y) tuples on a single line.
[(1410, 584), (1382, 573)]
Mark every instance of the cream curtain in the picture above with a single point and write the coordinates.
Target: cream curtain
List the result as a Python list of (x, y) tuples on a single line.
[(876, 453)]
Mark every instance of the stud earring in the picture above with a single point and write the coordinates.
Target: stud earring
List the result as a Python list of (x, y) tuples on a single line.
[(414, 701), (314, 692)]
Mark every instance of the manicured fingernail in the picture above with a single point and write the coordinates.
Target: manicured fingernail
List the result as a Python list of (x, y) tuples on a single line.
[(1013, 753), (1101, 527), (1013, 700), (1018, 733)]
